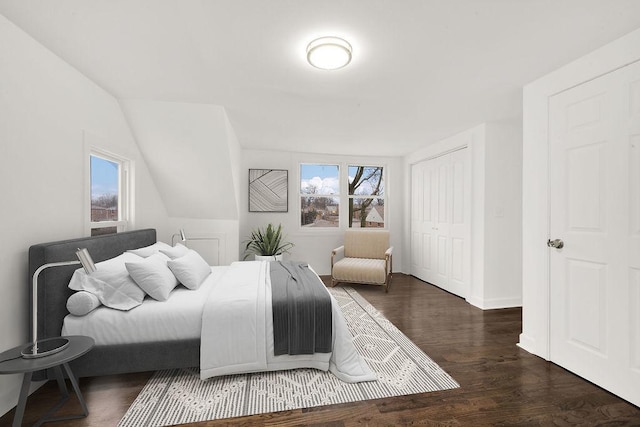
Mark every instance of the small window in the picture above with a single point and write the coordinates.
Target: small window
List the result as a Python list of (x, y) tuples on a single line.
[(109, 194), (319, 195), (366, 196)]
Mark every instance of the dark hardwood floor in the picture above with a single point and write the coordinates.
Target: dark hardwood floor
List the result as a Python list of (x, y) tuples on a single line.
[(500, 384)]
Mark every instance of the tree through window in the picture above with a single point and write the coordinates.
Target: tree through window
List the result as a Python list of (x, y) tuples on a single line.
[(366, 196)]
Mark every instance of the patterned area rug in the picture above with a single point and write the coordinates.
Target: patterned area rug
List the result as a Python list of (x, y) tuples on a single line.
[(179, 396)]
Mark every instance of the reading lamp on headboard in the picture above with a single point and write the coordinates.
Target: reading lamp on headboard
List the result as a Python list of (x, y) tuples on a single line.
[(52, 345), (183, 236)]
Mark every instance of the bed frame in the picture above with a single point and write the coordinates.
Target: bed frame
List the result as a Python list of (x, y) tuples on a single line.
[(53, 292)]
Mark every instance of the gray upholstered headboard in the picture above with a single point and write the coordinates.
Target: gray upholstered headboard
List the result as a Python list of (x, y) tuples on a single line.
[(53, 283)]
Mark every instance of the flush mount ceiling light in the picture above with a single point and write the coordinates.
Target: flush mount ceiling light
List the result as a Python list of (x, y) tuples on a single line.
[(329, 53)]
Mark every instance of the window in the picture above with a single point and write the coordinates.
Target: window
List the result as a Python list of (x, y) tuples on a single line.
[(360, 189), (319, 195), (366, 196), (109, 193)]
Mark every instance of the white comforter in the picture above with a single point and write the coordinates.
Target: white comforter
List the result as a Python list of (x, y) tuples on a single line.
[(237, 331)]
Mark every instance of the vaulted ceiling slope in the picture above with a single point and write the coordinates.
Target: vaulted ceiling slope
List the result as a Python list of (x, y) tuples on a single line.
[(421, 70), (188, 148)]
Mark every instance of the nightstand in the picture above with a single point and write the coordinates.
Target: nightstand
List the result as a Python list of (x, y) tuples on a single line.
[(14, 363)]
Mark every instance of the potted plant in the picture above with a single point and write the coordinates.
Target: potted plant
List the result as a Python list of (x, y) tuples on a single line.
[(267, 243)]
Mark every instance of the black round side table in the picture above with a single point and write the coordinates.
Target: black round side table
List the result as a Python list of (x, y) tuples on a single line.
[(11, 362)]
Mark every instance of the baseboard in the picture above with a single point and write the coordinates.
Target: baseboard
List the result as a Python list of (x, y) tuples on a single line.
[(529, 344), (495, 303)]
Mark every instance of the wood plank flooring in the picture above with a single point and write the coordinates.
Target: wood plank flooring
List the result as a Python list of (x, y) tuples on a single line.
[(500, 384)]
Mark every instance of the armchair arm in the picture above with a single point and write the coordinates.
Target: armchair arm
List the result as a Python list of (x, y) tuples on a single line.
[(336, 255), (388, 257)]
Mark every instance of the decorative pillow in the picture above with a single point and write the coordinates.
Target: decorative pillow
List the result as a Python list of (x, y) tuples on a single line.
[(177, 251), (111, 283), (190, 269), (82, 303), (153, 276), (150, 250)]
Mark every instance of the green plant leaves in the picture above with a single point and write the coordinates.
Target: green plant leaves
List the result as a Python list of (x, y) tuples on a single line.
[(266, 241)]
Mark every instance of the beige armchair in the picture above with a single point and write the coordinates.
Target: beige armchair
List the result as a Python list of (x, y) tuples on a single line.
[(365, 257)]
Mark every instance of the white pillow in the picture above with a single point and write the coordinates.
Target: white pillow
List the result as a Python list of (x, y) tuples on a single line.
[(190, 269), (82, 303), (111, 283), (153, 276), (150, 250), (177, 251)]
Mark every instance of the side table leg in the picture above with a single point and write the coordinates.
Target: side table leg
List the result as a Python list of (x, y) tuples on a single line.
[(65, 396), (22, 400), (76, 388), (62, 385)]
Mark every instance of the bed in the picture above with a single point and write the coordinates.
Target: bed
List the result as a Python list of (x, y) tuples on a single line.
[(179, 349)]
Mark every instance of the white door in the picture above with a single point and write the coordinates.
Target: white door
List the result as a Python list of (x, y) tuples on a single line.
[(594, 167), (440, 221), (422, 221), (440, 212), (460, 220)]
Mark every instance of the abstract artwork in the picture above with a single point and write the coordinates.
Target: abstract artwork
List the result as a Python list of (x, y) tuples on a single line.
[(268, 190)]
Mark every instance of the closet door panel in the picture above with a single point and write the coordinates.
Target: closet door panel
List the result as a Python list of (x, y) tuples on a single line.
[(441, 195), (440, 221), (457, 260), (459, 225)]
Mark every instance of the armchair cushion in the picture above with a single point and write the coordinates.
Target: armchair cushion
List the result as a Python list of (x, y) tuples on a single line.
[(360, 270)]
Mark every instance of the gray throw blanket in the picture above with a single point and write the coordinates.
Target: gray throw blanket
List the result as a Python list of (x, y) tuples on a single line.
[(302, 322)]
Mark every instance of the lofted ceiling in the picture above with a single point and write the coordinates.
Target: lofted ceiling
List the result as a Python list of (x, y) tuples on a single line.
[(422, 70)]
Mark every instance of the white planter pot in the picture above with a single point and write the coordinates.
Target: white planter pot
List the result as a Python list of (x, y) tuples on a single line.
[(269, 257)]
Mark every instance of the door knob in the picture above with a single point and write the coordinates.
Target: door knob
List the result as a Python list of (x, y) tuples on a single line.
[(557, 243)]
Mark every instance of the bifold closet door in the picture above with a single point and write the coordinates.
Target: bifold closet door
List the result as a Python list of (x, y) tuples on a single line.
[(440, 221)]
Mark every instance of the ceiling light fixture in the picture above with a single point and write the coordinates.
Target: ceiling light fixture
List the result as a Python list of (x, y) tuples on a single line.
[(329, 53)]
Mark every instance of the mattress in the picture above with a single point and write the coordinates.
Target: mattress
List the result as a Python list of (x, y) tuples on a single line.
[(177, 318)]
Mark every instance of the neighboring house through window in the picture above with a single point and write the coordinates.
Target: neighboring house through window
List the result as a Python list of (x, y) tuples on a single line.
[(109, 190)]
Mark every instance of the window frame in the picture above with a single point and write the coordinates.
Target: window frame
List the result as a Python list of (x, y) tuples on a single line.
[(343, 170), (124, 221), (339, 195), (358, 196)]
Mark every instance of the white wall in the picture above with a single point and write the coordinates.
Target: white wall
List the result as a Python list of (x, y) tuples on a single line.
[(314, 245), (187, 149), (45, 107), (535, 205), (495, 264), (235, 157), (503, 216)]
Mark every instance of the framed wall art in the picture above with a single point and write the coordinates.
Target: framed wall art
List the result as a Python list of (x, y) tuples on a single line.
[(268, 190)]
